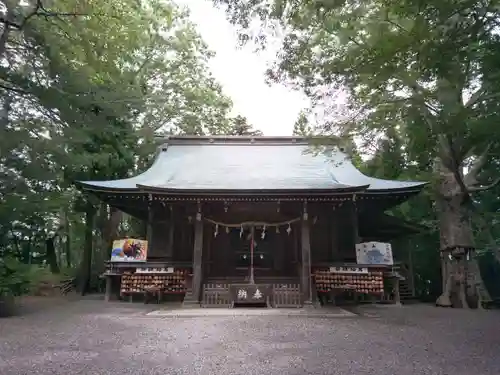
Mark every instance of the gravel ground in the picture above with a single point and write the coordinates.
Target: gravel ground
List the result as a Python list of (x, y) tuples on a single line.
[(92, 337)]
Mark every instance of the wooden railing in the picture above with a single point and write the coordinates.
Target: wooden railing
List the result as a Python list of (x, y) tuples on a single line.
[(283, 295), (216, 295), (406, 288), (286, 295)]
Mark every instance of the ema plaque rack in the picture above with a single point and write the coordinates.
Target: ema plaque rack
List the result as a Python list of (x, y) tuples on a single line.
[(172, 283), (328, 280)]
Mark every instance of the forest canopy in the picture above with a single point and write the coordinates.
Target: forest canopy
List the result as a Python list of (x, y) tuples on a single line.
[(86, 87), (422, 87)]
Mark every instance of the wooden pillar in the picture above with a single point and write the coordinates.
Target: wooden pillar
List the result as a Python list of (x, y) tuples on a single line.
[(197, 257), (333, 237), (355, 221), (208, 257), (149, 227), (397, 297), (306, 258), (109, 286), (410, 266), (295, 246), (171, 228), (194, 297)]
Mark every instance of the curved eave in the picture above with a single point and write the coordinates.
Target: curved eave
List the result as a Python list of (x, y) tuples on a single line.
[(92, 187), (363, 189), (337, 190), (416, 188), (342, 189)]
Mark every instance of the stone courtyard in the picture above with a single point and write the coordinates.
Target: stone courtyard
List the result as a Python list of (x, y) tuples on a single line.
[(92, 337)]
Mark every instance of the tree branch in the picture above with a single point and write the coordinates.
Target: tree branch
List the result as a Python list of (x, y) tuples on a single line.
[(453, 164), (470, 179), (13, 89), (474, 189), (475, 97), (33, 13), (37, 11), (481, 93)]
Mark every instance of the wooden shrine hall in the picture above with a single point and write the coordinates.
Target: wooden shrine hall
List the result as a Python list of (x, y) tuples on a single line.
[(264, 220)]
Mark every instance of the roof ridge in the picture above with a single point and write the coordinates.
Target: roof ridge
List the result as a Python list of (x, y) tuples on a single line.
[(247, 139)]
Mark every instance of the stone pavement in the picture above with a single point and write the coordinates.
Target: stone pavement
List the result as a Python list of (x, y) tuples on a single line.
[(249, 312), (95, 338)]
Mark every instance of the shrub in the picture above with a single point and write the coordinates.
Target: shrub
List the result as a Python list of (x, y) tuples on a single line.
[(14, 277)]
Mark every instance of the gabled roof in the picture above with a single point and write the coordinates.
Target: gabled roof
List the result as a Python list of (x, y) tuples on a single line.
[(251, 164)]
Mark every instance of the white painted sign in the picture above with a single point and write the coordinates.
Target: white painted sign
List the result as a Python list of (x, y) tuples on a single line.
[(154, 270), (376, 253), (358, 270)]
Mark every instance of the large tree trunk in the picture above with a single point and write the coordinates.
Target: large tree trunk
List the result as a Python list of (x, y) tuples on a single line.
[(110, 230), (115, 219), (475, 282), (27, 251), (51, 255), (67, 248), (109, 221), (15, 239), (86, 264), (66, 236), (456, 244), (100, 249)]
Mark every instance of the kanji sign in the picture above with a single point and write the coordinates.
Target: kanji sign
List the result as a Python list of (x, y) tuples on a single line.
[(242, 294), (374, 253), (257, 294), (250, 293), (358, 270)]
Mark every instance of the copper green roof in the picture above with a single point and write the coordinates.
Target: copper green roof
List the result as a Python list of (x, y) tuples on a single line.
[(251, 164)]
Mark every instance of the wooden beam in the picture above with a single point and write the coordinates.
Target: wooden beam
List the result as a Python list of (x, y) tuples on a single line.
[(197, 257), (109, 285), (171, 228), (306, 259), (411, 271), (355, 222), (333, 236), (194, 296), (149, 227)]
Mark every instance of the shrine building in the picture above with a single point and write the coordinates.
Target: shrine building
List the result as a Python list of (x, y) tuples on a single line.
[(268, 220)]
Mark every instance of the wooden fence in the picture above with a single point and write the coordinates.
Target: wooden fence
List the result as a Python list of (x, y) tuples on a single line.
[(286, 295), (216, 295), (283, 295)]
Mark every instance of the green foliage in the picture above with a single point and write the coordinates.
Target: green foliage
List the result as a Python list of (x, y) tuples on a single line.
[(302, 126), (391, 162), (240, 126), (426, 68), (86, 87), (41, 275), (14, 277), (422, 86)]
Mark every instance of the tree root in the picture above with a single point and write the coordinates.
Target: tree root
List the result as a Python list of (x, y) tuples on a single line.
[(444, 301)]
